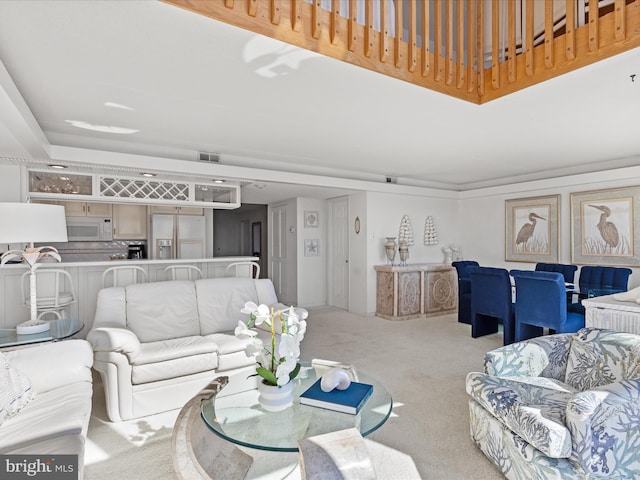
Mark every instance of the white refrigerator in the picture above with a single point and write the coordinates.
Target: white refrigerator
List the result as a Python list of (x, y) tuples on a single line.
[(177, 236)]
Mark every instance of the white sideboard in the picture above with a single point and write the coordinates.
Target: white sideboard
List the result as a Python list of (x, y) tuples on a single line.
[(606, 312)]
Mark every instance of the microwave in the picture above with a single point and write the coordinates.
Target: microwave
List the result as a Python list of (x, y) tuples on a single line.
[(89, 229)]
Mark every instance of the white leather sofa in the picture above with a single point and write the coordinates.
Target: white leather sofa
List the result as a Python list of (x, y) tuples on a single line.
[(158, 344), (56, 420)]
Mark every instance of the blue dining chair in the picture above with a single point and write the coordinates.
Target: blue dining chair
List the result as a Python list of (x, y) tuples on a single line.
[(604, 280), (491, 302), (464, 289), (568, 271), (541, 302)]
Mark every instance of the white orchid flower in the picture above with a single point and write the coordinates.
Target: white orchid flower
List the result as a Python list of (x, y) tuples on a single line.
[(284, 370), (249, 308), (242, 331)]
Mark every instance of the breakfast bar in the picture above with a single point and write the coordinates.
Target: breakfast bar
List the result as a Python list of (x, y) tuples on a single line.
[(87, 281)]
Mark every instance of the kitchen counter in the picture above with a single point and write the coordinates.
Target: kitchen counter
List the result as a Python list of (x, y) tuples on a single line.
[(87, 278)]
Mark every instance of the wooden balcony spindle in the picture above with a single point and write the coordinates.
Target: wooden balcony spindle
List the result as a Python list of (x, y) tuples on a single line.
[(252, 8), (471, 44), (316, 19), (570, 30), (352, 22), (412, 61), (228, 3), (480, 49), (495, 43), (368, 29), (437, 35), (620, 20), (426, 48), (450, 68), (275, 12), (528, 38), (511, 41), (593, 25), (335, 13), (399, 26), (548, 33), (384, 31), (296, 15), (460, 44)]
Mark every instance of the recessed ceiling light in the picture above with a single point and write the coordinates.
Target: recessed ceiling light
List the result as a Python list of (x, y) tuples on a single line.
[(101, 128), (147, 174), (54, 165), (217, 180)]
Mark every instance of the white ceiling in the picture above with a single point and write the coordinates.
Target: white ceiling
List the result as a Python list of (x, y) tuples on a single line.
[(187, 83)]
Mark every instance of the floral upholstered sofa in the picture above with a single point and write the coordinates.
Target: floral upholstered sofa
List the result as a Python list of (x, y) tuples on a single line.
[(563, 406)]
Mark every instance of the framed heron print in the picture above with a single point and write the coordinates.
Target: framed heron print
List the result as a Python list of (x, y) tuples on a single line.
[(531, 229), (605, 227)]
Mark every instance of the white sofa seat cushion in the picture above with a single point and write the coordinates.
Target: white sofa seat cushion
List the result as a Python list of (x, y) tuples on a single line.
[(16, 390), (531, 407), (220, 301), (174, 358), (162, 310), (163, 350), (54, 413)]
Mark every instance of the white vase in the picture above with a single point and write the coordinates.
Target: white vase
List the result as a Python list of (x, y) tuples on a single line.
[(274, 398)]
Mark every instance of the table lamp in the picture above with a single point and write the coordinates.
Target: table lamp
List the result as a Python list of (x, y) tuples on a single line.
[(29, 223)]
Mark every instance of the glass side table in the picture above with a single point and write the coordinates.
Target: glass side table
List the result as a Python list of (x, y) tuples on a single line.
[(59, 330)]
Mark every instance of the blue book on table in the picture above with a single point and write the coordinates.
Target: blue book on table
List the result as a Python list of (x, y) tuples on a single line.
[(350, 400)]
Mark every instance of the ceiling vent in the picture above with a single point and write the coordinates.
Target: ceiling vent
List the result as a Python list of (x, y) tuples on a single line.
[(208, 157)]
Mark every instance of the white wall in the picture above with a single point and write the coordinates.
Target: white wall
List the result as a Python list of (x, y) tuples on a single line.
[(312, 271), (384, 213), (482, 214), (11, 183)]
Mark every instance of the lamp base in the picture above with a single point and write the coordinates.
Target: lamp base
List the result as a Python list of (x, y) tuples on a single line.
[(32, 326)]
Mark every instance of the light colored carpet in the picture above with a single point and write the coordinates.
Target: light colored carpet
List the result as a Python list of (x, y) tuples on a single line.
[(422, 362)]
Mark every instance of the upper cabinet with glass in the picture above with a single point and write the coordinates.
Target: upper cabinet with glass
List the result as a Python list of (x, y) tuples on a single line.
[(148, 191)]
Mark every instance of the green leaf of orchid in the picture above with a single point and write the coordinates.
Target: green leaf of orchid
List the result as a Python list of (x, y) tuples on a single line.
[(295, 372), (268, 375)]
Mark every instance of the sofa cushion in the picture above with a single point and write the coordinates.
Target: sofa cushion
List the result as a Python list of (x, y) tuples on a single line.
[(162, 310), (531, 407), (54, 413), (153, 352), (220, 301), (600, 357), (16, 390)]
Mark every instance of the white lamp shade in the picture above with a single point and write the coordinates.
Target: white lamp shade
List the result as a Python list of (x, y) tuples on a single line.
[(32, 222)]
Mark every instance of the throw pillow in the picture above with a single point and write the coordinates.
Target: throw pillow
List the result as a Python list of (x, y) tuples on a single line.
[(16, 390)]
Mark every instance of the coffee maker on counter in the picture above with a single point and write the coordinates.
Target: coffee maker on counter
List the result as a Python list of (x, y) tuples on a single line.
[(136, 252)]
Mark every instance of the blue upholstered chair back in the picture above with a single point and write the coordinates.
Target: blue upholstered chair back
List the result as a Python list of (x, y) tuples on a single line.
[(491, 302), (541, 302), (464, 289), (461, 267), (604, 277), (568, 271)]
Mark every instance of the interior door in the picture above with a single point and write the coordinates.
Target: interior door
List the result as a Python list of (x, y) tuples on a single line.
[(278, 248), (338, 267)]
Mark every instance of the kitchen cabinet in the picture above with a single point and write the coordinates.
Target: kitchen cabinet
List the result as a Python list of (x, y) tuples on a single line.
[(86, 209), (129, 222), (176, 210)]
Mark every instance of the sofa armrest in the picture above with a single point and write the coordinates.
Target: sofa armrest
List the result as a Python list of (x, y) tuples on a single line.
[(115, 339), (604, 427), (52, 365), (543, 356)]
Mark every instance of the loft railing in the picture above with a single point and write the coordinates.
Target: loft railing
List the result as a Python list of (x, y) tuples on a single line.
[(476, 50)]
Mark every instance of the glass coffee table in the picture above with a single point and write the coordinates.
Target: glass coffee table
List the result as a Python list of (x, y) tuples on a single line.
[(59, 330), (238, 418), (250, 443)]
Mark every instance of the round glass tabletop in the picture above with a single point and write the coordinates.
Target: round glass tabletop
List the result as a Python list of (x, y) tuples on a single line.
[(238, 418)]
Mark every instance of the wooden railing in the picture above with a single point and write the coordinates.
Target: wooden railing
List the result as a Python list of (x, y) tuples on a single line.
[(476, 50)]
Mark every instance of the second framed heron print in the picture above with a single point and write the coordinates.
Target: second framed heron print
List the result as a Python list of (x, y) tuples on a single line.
[(605, 227), (531, 233)]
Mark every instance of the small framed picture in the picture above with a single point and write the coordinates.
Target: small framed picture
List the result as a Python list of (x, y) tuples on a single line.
[(311, 218), (311, 247)]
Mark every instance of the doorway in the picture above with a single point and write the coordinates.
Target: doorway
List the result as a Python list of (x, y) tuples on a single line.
[(338, 253)]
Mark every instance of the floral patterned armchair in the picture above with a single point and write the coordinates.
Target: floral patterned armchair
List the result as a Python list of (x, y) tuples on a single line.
[(563, 406)]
